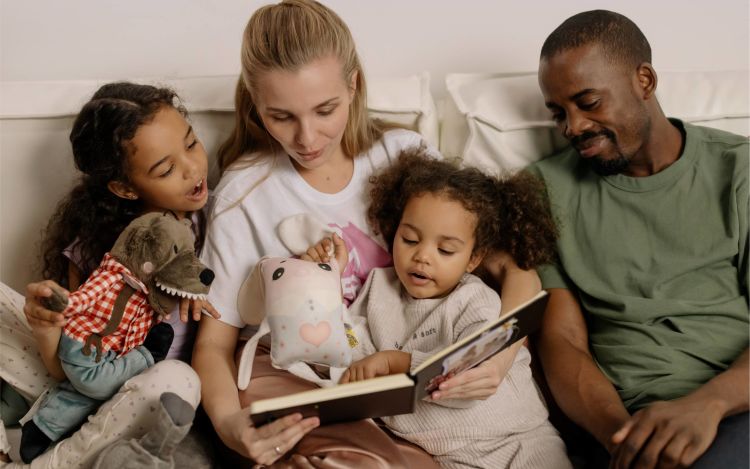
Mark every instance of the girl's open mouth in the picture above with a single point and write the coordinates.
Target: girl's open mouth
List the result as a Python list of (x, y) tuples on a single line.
[(199, 190)]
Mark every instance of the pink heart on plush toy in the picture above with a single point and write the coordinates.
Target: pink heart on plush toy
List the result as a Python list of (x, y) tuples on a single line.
[(315, 335)]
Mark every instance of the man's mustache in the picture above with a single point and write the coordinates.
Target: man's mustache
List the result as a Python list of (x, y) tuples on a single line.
[(581, 141)]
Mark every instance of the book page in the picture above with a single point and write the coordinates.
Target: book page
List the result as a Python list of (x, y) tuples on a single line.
[(488, 344)]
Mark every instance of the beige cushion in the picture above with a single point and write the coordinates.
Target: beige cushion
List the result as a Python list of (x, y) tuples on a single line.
[(500, 121), (36, 164)]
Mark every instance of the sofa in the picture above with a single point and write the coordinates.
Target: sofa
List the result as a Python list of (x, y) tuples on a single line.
[(494, 121), (497, 122)]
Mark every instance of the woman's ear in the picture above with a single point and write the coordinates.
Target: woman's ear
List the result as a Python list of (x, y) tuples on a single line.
[(122, 190)]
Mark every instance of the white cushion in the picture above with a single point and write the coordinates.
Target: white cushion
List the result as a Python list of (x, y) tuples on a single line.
[(500, 121), (36, 163)]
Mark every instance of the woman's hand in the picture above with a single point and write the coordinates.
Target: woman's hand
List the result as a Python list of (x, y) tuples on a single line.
[(378, 364), (41, 319), (267, 443), (195, 308)]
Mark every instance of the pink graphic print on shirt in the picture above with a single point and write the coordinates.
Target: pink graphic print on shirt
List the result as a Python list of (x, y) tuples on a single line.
[(364, 255)]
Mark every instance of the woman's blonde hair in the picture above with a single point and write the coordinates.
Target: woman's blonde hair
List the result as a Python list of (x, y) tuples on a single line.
[(288, 36)]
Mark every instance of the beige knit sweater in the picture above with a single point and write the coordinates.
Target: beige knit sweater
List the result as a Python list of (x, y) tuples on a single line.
[(395, 321)]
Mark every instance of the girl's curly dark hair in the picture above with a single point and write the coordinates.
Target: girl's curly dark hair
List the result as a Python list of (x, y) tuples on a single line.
[(90, 215), (513, 212)]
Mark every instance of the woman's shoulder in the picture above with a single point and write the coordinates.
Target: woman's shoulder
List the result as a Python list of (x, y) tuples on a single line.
[(402, 139), (395, 141), (236, 180)]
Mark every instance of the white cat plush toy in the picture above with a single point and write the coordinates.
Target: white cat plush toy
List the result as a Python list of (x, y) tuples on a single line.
[(300, 304)]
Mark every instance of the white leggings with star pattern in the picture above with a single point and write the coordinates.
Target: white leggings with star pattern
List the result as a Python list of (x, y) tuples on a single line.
[(128, 414)]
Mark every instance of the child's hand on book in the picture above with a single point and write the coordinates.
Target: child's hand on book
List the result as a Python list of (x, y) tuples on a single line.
[(481, 382), (388, 362)]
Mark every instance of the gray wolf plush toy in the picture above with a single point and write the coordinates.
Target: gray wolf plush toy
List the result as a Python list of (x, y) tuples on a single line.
[(151, 266)]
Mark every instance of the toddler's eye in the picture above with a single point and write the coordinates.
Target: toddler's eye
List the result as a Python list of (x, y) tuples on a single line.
[(277, 273), (408, 241), (325, 267)]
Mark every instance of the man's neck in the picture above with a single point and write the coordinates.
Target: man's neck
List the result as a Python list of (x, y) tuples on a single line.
[(662, 148)]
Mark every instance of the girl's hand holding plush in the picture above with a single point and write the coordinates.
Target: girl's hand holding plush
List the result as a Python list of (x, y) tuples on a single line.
[(195, 308), (39, 317), (387, 362)]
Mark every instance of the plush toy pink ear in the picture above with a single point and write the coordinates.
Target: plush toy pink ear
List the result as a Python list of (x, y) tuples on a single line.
[(251, 298)]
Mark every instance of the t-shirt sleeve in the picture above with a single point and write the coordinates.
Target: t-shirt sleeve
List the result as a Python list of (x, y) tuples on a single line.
[(553, 276)]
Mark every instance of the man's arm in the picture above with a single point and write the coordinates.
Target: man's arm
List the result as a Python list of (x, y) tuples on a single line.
[(580, 389)]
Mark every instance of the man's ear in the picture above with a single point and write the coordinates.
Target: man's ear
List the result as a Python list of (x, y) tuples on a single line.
[(122, 190), (647, 80)]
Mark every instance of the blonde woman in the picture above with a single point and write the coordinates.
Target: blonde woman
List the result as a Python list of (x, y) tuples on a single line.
[(302, 143)]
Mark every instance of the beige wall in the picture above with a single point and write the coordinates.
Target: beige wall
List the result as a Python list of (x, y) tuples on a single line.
[(105, 39)]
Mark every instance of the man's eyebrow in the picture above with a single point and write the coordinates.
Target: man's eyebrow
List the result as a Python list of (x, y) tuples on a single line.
[(581, 94)]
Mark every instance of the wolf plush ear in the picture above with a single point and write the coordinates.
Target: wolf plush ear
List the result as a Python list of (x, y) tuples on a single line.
[(251, 298)]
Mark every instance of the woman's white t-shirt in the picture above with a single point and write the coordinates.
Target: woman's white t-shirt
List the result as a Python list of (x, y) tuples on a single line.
[(249, 203)]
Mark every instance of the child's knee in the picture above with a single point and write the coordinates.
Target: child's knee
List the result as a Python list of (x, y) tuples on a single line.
[(168, 375)]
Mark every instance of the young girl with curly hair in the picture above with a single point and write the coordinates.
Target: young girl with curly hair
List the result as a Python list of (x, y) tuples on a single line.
[(136, 153), (439, 221)]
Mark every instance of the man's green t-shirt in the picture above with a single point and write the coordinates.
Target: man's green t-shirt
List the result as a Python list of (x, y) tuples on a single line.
[(659, 263)]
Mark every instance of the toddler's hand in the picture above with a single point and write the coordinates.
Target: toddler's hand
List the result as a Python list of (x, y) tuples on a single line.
[(378, 364), (194, 308), (327, 248)]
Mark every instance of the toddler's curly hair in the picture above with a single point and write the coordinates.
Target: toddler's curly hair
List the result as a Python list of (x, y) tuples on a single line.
[(513, 212)]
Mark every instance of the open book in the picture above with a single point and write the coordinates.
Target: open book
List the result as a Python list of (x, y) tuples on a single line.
[(397, 394)]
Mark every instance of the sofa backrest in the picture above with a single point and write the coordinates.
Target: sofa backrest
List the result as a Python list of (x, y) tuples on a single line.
[(500, 121), (36, 162), (494, 121)]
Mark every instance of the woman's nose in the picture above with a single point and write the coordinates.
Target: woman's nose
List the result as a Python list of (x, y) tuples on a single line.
[(305, 135)]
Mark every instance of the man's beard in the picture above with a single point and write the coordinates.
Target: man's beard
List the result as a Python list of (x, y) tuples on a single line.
[(609, 166), (602, 166)]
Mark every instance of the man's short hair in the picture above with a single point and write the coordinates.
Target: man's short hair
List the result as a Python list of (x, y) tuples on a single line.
[(621, 40)]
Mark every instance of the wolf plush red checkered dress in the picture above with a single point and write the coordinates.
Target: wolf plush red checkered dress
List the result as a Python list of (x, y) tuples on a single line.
[(90, 307)]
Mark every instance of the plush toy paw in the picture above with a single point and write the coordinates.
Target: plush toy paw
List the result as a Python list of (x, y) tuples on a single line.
[(56, 301), (33, 441), (158, 340)]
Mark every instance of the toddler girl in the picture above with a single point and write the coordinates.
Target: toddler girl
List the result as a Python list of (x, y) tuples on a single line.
[(439, 221)]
